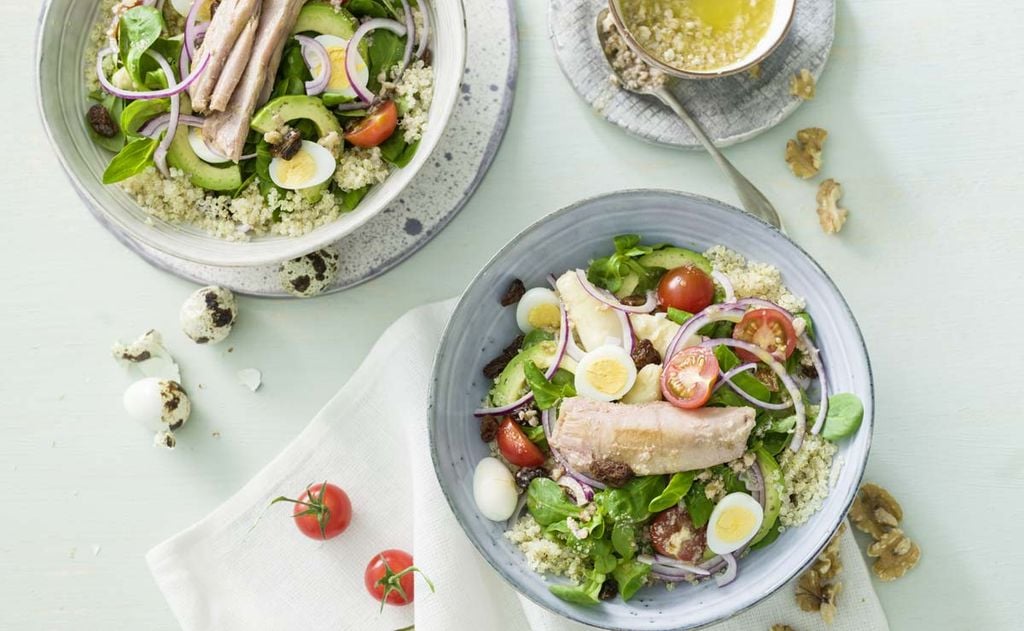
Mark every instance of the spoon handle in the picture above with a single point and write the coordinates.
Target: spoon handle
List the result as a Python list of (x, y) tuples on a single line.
[(754, 202)]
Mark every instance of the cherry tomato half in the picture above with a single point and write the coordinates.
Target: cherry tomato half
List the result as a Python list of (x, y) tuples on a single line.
[(673, 534), (688, 377), (389, 578), (687, 288), (769, 329), (516, 447), (377, 127), (322, 512)]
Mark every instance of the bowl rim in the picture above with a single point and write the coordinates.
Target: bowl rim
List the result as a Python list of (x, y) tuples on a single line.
[(131, 232), (713, 205), (614, 9)]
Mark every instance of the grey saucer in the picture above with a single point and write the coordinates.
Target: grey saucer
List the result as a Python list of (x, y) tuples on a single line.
[(731, 109), (439, 191)]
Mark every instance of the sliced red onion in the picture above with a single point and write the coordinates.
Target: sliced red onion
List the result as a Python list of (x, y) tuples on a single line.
[(545, 419), (192, 43), (563, 333), (246, 156), (780, 370), (576, 489), (628, 339), (756, 484), (160, 155), (310, 45), (763, 304), (171, 90), (190, 29), (672, 563), (754, 400), (726, 376), (819, 420), (730, 571), (157, 124), (573, 349), (352, 53), (424, 33), (410, 32), (608, 299), (713, 313), (723, 280)]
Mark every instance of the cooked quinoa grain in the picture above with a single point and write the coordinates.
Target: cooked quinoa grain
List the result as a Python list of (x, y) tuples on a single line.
[(806, 476), (543, 555), (753, 280)]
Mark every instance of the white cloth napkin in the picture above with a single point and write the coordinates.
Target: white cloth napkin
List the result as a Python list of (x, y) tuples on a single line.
[(225, 574)]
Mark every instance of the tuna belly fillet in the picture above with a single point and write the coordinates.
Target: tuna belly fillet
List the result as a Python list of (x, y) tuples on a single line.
[(652, 438)]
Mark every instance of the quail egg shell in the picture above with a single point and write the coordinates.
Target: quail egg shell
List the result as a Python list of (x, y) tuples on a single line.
[(337, 50), (203, 150), (494, 490), (158, 404), (606, 373), (735, 520), (311, 274), (538, 309), (312, 165), (208, 314)]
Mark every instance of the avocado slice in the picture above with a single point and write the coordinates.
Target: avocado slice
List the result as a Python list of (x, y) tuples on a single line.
[(773, 490), (321, 17), (511, 383), (666, 258), (203, 174), (285, 109)]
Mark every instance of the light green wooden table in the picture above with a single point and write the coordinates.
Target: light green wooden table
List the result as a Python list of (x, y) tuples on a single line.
[(923, 104)]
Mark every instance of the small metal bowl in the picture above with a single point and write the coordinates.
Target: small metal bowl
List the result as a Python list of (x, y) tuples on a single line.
[(782, 20)]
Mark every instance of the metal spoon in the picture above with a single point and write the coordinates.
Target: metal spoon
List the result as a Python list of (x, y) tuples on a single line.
[(752, 199)]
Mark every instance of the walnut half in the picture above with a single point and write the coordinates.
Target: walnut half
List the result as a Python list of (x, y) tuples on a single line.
[(875, 511), (818, 589), (803, 155), (896, 555), (830, 215), (802, 84)]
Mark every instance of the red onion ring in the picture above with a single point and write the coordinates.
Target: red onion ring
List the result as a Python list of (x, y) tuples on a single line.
[(819, 420), (726, 376), (160, 155), (190, 28), (573, 349), (731, 570), (713, 313), (628, 339), (319, 84), (424, 33), (352, 53), (198, 31), (756, 484), (723, 280), (754, 400), (563, 333), (410, 32), (157, 124), (672, 563), (576, 489), (763, 304), (780, 370), (607, 298), (171, 90)]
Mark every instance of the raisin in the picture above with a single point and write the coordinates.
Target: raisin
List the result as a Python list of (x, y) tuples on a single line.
[(496, 365), (634, 301), (101, 122), (644, 353), (525, 476), (488, 428), (289, 145), (514, 292), (609, 589)]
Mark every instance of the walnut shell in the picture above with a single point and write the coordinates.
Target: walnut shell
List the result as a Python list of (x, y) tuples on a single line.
[(896, 555), (875, 511)]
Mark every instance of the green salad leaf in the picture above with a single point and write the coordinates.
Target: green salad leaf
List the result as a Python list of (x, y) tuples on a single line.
[(114, 106), (138, 113), (293, 73), (678, 486), (535, 337), (630, 576), (370, 8), (536, 436), (547, 394), (585, 594), (350, 199), (629, 503), (132, 160), (727, 360), (547, 502), (386, 50), (624, 539), (139, 29), (845, 413), (698, 505), (678, 316), (396, 151), (609, 272)]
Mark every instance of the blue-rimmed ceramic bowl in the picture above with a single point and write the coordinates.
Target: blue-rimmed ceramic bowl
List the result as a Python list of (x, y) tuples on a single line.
[(569, 238)]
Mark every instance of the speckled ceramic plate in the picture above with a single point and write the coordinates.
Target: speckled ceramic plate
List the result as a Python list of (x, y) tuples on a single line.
[(731, 109), (479, 328), (438, 192)]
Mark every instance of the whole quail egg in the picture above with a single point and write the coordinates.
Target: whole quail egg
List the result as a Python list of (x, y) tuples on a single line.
[(494, 490), (160, 405), (311, 274), (208, 314)]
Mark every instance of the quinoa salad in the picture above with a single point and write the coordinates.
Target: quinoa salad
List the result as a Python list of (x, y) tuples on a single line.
[(245, 118), (663, 414)]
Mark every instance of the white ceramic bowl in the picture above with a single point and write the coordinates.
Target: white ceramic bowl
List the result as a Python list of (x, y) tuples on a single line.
[(64, 28), (480, 328), (782, 18)]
